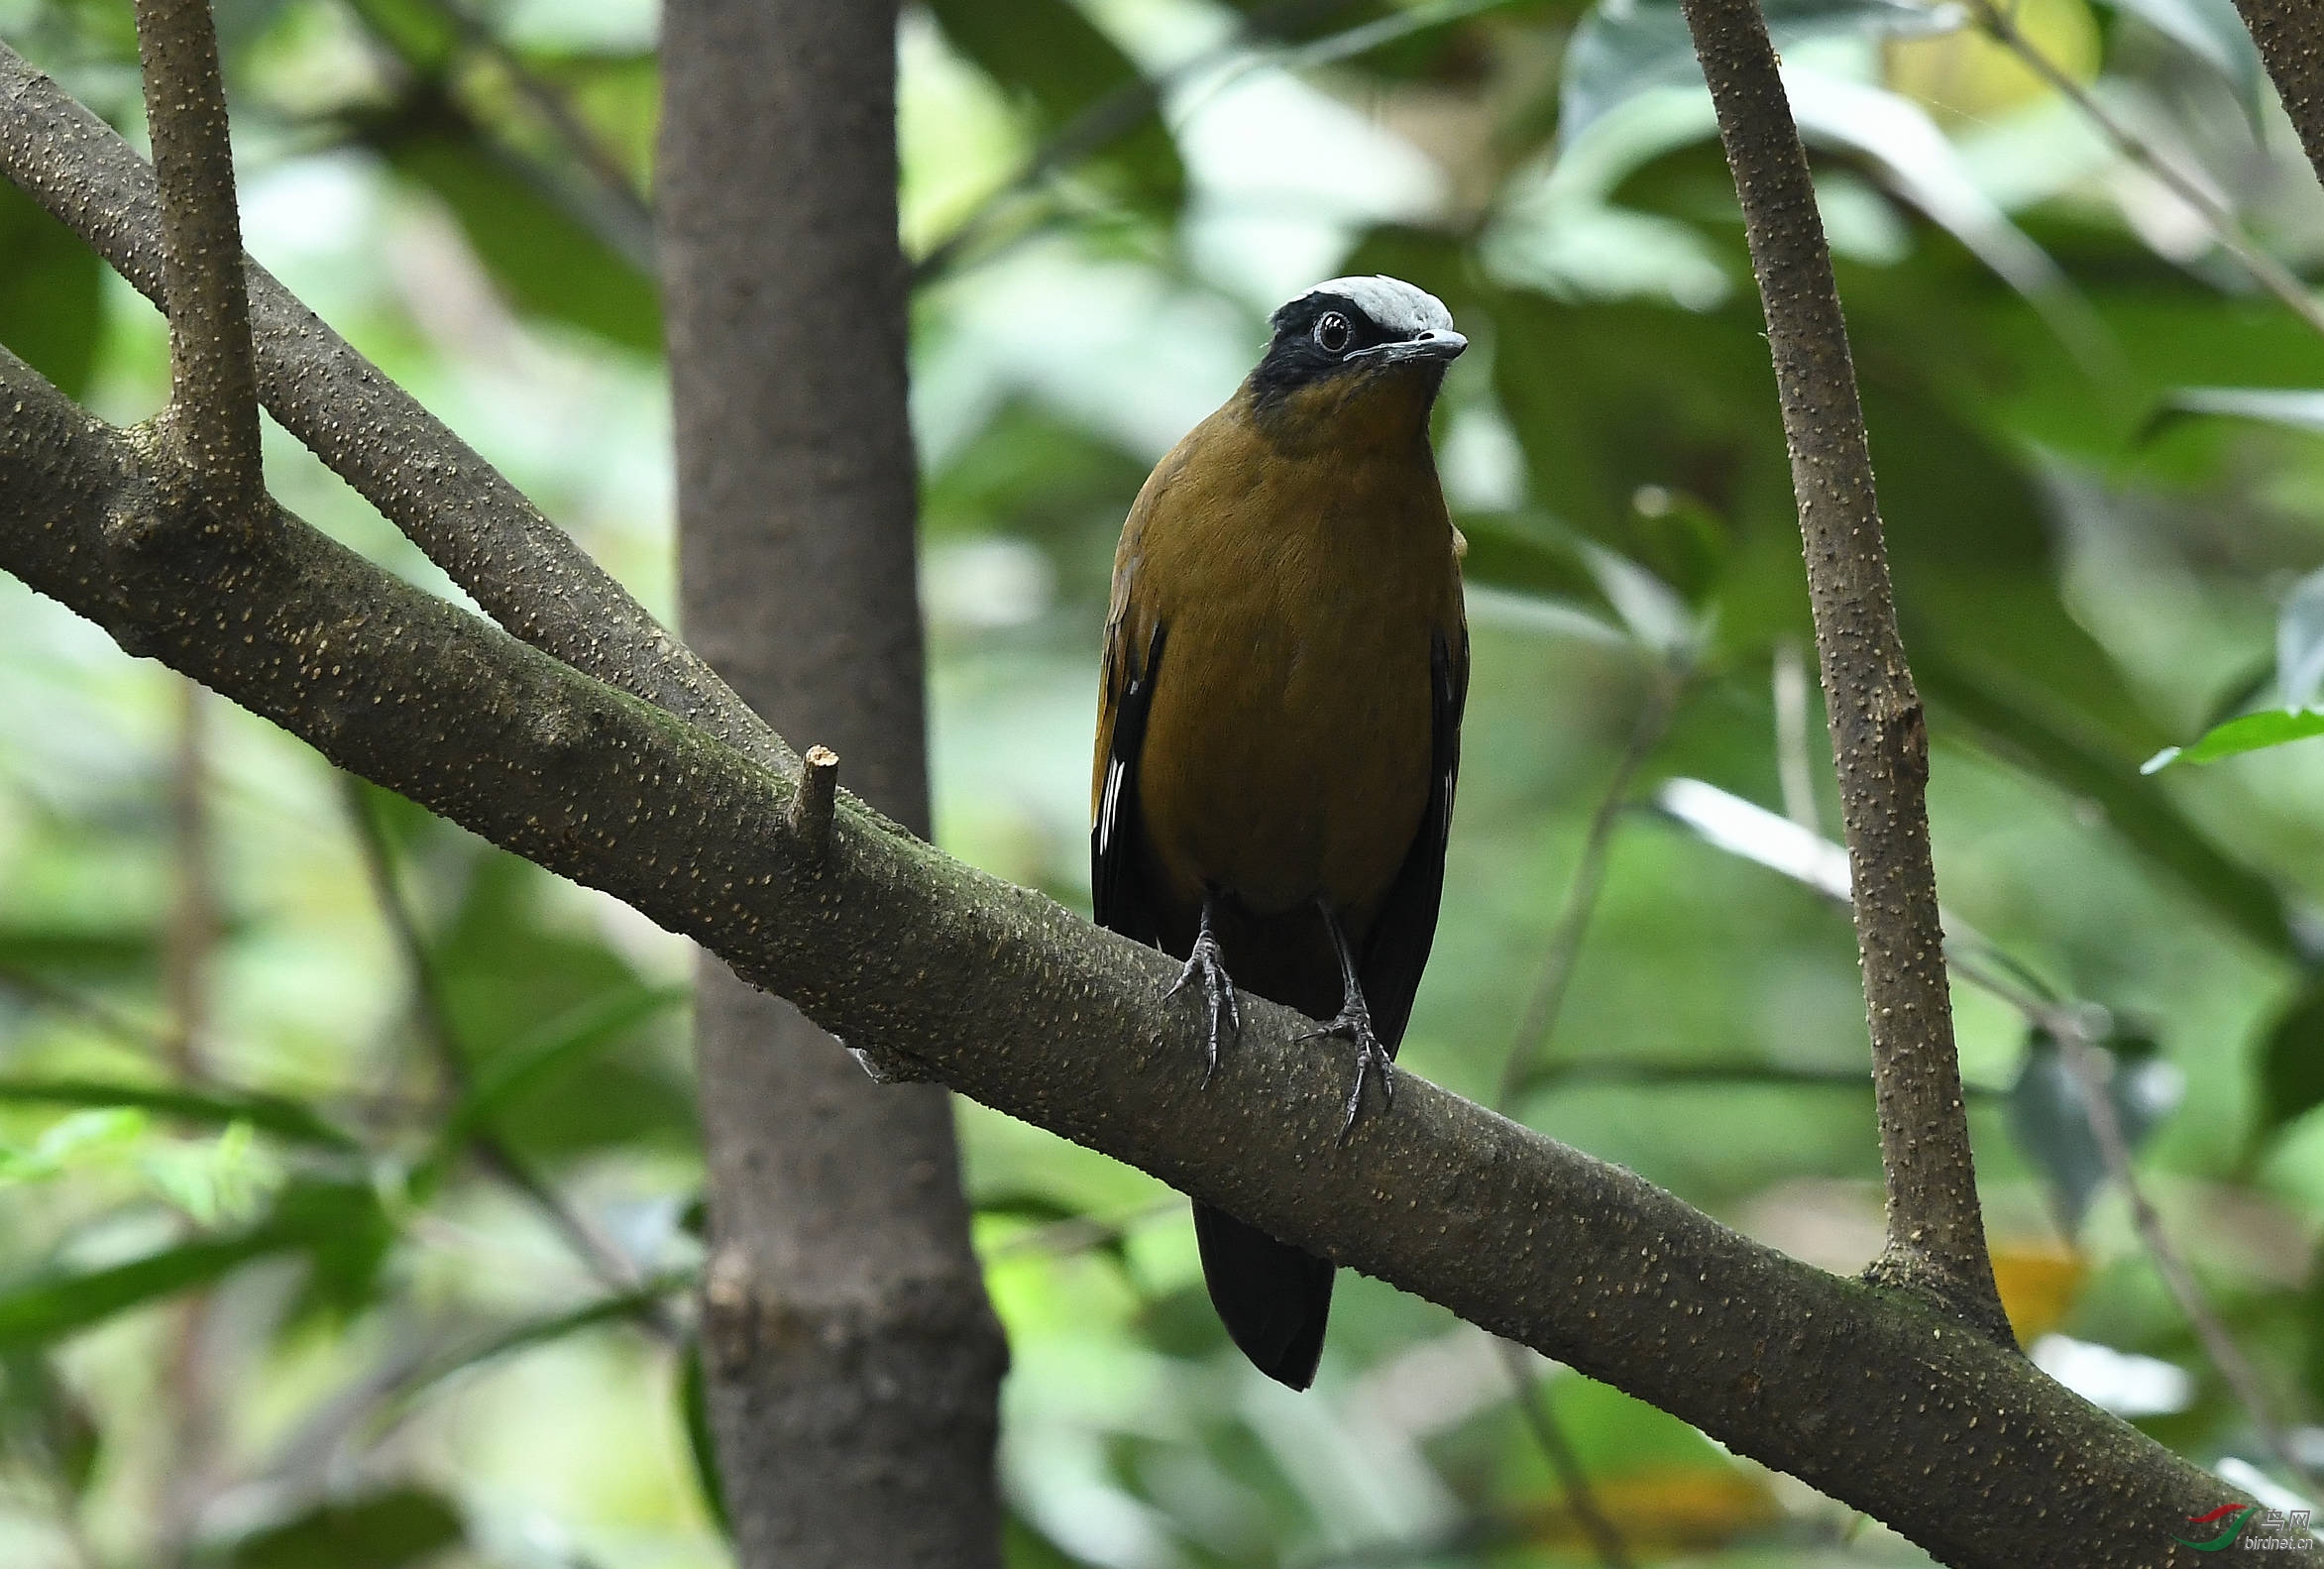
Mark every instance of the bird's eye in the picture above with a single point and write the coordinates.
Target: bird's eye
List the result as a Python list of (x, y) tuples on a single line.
[(1332, 332)]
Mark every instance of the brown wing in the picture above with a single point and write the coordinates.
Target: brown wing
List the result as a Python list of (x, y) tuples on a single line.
[(1395, 951)]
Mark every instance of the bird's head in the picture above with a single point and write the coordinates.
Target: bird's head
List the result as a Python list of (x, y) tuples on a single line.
[(1355, 359)]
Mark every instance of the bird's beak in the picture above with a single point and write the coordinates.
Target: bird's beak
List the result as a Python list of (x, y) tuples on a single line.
[(1442, 345)]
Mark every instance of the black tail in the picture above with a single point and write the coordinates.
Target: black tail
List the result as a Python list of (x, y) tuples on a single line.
[(1274, 1298)]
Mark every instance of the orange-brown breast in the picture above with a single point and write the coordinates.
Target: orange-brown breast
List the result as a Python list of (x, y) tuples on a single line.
[(1287, 750)]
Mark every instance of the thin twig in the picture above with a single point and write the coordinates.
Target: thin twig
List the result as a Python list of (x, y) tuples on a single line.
[(1548, 999), (213, 415), (612, 1268), (188, 964), (1534, 1036), (1936, 1230), (2270, 273), (551, 105), (95, 1011), (1106, 121), (2091, 1073), (1541, 1421), (193, 916), (610, 206)]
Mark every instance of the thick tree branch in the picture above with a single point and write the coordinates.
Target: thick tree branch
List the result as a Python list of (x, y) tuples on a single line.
[(1859, 1391), (213, 416), (527, 572), (1880, 739), (2290, 36)]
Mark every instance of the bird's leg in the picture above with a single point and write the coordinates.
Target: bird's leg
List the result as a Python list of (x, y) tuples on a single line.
[(1354, 1023), (1206, 963)]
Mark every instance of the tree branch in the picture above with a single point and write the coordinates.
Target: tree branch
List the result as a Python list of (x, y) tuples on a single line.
[(1880, 738), (2290, 36), (526, 573), (1859, 1391), (213, 415)]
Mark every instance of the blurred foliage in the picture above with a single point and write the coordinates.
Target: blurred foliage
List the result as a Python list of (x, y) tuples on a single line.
[(352, 1223)]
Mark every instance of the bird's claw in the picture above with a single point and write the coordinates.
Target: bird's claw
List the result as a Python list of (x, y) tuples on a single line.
[(1204, 962), (1354, 1024)]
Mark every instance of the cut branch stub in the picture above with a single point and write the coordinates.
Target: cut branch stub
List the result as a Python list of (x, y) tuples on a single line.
[(213, 415), (811, 807), (1880, 741)]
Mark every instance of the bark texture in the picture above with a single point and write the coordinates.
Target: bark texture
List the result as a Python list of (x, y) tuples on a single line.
[(1963, 1446), (853, 1361), (1880, 737), (2290, 36)]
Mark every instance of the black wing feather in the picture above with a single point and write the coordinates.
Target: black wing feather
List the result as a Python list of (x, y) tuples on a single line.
[(1395, 951), (1117, 886)]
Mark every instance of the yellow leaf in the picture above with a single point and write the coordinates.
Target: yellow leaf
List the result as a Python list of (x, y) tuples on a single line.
[(1968, 76), (2038, 1281), (1668, 1510)]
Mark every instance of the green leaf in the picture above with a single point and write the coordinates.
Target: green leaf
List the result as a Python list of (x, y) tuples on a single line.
[(340, 1224), (54, 1304), (2250, 734), (2291, 1064), (85, 1138), (546, 262), (1520, 555), (694, 1408), (274, 1114), (1970, 537), (539, 1059), (42, 1422), (52, 294), (508, 959), (636, 1304), (2015, 728), (2295, 409), (1050, 54), (82, 950), (2049, 1117), (223, 1182), (346, 1236), (423, 35), (1624, 48), (387, 1530), (2212, 32), (1297, 22)]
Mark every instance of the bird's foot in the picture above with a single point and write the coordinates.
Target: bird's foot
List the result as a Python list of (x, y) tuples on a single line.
[(1354, 1023), (1205, 964)]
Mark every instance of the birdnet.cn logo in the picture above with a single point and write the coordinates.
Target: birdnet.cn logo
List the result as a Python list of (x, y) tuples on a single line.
[(2246, 1527)]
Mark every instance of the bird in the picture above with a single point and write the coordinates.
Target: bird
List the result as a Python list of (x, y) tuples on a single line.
[(1285, 665)]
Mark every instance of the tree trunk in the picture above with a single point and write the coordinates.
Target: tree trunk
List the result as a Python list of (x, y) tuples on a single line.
[(853, 1359)]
